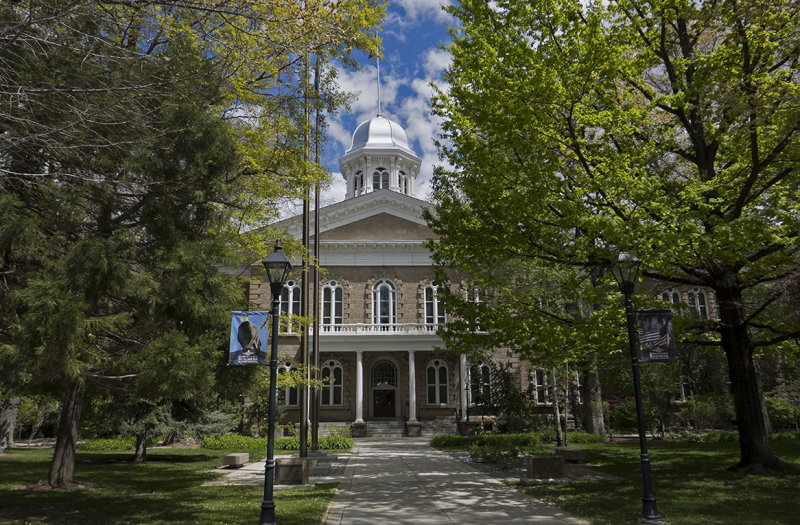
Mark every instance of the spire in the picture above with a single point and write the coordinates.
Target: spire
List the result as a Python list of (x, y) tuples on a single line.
[(379, 85)]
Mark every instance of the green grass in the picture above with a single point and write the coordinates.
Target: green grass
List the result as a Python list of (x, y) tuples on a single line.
[(691, 485), (166, 489)]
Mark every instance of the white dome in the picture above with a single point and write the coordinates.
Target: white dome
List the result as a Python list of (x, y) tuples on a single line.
[(379, 133)]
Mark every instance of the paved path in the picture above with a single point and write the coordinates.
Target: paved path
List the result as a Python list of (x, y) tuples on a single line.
[(407, 481)]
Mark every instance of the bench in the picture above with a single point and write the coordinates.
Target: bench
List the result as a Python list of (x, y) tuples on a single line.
[(236, 460)]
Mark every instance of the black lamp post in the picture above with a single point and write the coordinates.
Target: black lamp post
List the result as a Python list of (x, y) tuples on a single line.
[(278, 267), (624, 269)]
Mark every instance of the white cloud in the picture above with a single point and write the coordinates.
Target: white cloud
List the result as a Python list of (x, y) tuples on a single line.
[(436, 61), (404, 95), (335, 192), (417, 9)]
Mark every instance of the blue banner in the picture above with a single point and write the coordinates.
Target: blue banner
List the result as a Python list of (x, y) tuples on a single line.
[(249, 342)]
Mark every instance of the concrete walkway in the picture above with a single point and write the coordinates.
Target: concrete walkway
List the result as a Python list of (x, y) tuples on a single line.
[(406, 481)]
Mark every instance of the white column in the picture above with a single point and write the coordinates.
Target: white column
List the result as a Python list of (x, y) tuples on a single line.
[(359, 386), (463, 370), (412, 387)]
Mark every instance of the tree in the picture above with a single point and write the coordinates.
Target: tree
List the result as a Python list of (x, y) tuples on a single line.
[(666, 129), (137, 140)]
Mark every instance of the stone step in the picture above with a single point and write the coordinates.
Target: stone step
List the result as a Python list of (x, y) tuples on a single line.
[(392, 428)]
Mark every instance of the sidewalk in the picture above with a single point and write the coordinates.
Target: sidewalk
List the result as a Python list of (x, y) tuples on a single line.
[(407, 481), (398, 481)]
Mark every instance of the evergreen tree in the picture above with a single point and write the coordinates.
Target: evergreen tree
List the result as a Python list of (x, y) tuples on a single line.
[(138, 139)]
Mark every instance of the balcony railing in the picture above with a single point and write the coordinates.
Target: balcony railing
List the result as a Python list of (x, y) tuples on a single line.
[(369, 328)]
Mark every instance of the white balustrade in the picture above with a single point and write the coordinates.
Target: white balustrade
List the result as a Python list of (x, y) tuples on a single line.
[(369, 328)]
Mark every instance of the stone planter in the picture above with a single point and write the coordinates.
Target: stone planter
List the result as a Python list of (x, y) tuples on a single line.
[(291, 471), (545, 467)]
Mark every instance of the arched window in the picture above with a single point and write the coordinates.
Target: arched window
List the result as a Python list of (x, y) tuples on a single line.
[(332, 294), (380, 179), (671, 296), (290, 392), (480, 376), (332, 391), (290, 305), (384, 373), (434, 309), (403, 182), (384, 303), (698, 301), (358, 184), (437, 383)]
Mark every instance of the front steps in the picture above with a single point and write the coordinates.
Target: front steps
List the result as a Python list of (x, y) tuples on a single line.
[(393, 428), (386, 429)]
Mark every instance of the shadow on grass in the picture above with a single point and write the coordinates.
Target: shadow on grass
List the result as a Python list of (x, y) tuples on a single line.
[(166, 489), (691, 483)]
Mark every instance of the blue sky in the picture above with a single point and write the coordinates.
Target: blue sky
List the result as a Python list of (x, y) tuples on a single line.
[(412, 32)]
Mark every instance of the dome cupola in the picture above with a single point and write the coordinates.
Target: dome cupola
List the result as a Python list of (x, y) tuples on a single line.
[(377, 133), (379, 158)]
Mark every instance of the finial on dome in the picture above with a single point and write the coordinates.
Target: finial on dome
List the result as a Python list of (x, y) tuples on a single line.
[(379, 85)]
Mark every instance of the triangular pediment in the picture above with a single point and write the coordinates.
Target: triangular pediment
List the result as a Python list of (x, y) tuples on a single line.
[(379, 215), (379, 227)]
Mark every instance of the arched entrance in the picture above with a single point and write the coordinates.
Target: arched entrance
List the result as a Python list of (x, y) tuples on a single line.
[(383, 389)]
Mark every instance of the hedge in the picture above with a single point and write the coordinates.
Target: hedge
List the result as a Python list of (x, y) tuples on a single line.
[(237, 442)]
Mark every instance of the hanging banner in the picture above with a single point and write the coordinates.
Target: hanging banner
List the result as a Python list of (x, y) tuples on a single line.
[(249, 338), (656, 340)]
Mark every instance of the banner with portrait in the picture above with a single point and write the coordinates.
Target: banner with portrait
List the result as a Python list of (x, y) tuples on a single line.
[(249, 342), (656, 339)]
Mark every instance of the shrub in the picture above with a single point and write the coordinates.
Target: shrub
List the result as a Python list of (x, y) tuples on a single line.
[(234, 442), (450, 441), (340, 430), (126, 443), (237, 442), (583, 437), (782, 415), (708, 412), (335, 443), (288, 443), (500, 456), (786, 436), (720, 437), (548, 434)]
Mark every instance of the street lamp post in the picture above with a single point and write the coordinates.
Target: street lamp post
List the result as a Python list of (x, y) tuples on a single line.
[(624, 268), (278, 267)]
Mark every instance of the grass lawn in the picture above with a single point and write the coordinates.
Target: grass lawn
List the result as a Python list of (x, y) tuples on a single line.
[(166, 489), (691, 485)]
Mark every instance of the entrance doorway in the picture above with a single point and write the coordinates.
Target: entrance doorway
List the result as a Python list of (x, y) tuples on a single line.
[(384, 389), (383, 403)]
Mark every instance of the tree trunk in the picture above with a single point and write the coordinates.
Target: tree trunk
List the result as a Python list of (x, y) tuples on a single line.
[(556, 411), (62, 468), (141, 448), (8, 420), (592, 398), (755, 448)]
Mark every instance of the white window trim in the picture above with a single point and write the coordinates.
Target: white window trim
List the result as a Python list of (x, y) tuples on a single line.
[(332, 365), (437, 385), (376, 289)]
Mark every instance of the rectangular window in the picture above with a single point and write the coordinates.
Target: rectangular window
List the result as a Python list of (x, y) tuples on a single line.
[(431, 386), (337, 386), (541, 387)]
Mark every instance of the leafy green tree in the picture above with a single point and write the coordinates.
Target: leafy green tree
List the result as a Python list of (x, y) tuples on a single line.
[(668, 129), (138, 139)]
